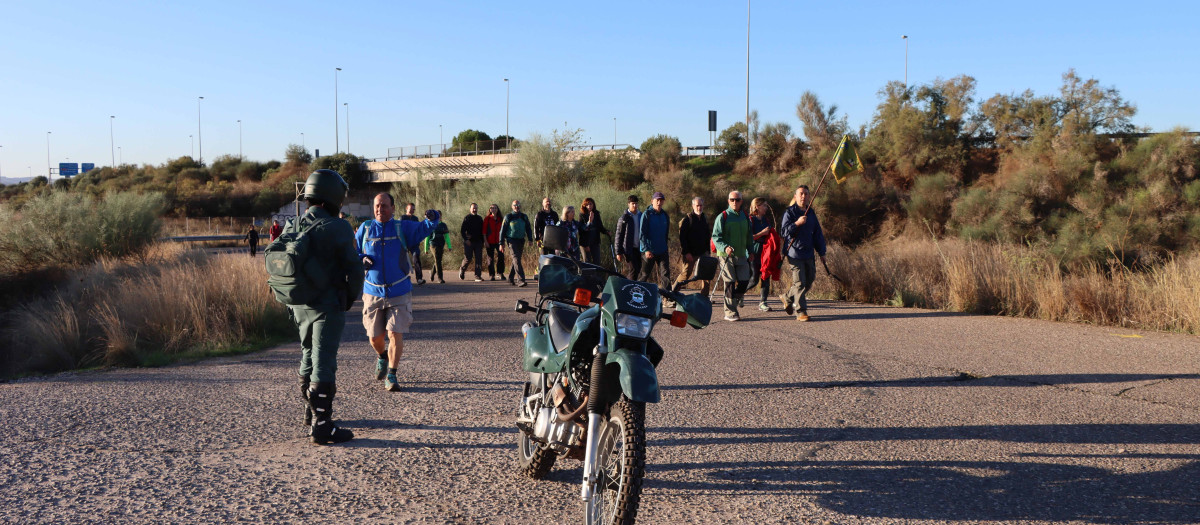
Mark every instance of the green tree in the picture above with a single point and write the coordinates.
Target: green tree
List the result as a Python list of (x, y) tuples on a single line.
[(351, 167), (661, 153), (732, 144), (297, 154), (822, 128), (470, 140)]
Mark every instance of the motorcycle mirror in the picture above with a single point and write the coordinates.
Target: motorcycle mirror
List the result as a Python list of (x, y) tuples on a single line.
[(555, 237), (522, 306), (706, 268), (583, 296), (679, 319)]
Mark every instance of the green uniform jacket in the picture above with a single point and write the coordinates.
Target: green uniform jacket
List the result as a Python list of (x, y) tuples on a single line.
[(334, 251), (731, 228)]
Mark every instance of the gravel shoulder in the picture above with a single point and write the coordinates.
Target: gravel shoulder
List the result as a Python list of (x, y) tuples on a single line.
[(866, 415)]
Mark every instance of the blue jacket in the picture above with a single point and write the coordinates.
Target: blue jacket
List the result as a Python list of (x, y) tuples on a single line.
[(388, 274), (800, 241), (654, 228)]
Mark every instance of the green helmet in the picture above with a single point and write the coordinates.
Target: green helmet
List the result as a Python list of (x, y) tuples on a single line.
[(326, 186)]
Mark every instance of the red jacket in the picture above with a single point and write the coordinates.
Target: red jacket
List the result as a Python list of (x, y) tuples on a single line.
[(772, 256), (276, 229), (491, 229)]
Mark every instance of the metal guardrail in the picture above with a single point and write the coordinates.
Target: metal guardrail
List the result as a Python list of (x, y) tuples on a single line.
[(202, 238), (486, 147)]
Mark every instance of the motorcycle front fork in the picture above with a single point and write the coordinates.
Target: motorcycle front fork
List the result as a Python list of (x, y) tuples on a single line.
[(595, 419)]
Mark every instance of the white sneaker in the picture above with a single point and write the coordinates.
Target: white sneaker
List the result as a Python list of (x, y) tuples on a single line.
[(732, 318)]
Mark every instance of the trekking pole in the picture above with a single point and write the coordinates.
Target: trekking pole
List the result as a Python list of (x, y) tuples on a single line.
[(835, 277)]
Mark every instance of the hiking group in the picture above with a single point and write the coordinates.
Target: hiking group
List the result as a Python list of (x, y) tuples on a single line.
[(318, 265)]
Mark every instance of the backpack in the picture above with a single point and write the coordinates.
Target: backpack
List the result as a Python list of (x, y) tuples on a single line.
[(292, 272)]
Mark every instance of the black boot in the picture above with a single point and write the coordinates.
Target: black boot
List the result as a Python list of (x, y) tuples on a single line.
[(324, 431), (307, 407)]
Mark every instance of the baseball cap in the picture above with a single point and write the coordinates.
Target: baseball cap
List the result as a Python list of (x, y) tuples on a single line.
[(658, 195)]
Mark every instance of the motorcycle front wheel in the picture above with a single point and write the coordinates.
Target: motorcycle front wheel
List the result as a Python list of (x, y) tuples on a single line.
[(621, 465)]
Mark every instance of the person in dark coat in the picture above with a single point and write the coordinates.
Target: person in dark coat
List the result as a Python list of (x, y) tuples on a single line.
[(472, 236), (628, 237), (252, 240), (410, 214), (545, 216), (593, 228), (694, 239)]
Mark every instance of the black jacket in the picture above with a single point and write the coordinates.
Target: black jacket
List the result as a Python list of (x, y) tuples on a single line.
[(628, 235), (590, 235), (540, 221), (472, 228), (694, 235)]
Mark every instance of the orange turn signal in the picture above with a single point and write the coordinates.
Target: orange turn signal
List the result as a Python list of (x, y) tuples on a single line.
[(679, 319), (583, 296)]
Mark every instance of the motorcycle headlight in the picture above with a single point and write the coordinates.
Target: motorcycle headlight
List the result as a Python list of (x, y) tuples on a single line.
[(633, 326)]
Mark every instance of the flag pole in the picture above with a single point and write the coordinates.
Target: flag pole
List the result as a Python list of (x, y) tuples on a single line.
[(813, 199)]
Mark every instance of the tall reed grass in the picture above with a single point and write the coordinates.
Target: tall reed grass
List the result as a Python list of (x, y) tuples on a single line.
[(146, 310), (987, 278)]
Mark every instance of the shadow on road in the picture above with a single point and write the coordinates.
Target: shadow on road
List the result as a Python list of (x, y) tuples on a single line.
[(1118, 434), (1029, 380), (961, 490)]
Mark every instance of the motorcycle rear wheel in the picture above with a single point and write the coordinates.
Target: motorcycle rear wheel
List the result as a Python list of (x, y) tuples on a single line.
[(621, 465)]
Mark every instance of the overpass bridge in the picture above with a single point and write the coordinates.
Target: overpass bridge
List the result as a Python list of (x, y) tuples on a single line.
[(435, 161)]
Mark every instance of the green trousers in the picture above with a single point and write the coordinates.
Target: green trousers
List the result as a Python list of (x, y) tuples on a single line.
[(320, 334)]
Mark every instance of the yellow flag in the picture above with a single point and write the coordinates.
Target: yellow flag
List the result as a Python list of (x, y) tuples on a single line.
[(845, 161)]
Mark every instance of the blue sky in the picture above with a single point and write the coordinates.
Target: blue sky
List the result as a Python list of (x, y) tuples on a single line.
[(657, 67)]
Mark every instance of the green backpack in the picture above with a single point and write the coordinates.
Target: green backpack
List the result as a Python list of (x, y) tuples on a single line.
[(293, 273)]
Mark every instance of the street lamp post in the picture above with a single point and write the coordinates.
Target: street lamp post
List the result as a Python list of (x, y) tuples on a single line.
[(49, 173), (347, 105), (336, 138), (441, 141), (120, 155), (302, 144), (111, 143), (506, 92), (240, 139), (614, 132), (192, 139), (199, 131), (747, 71), (905, 37)]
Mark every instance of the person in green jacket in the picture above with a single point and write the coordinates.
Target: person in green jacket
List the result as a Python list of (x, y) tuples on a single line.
[(731, 236), (321, 322), (514, 232)]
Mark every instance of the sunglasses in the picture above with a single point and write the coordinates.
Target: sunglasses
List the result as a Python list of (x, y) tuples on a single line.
[(735, 200)]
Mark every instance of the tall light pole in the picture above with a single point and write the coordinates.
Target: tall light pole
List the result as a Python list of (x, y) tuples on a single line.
[(49, 174), (441, 141), (240, 139), (111, 143), (614, 132), (120, 155), (506, 92), (192, 139), (336, 138), (905, 37), (302, 144), (347, 105), (747, 71), (199, 131)]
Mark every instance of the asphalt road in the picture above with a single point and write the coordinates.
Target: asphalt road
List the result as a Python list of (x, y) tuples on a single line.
[(864, 415)]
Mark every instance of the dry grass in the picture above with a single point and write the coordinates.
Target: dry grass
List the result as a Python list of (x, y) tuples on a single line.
[(145, 310), (985, 278)]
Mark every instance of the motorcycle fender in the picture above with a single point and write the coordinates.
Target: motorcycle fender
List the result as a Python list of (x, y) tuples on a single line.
[(539, 352), (639, 382)]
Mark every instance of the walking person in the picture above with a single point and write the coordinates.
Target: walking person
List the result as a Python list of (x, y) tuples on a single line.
[(275, 230), (762, 225), (472, 237), (410, 214), (627, 243), (803, 239), (251, 239), (514, 232), (694, 239), (656, 258), (593, 228), (573, 228), (383, 245), (491, 235), (544, 216), (731, 235), (438, 240), (320, 323)]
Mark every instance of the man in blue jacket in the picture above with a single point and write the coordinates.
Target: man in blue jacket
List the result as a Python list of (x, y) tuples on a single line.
[(384, 245), (802, 236), (653, 244)]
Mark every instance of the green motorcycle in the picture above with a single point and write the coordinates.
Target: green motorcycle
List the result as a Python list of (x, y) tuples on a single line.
[(591, 362)]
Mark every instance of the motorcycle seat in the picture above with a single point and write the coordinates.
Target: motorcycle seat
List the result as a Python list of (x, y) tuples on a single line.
[(561, 321)]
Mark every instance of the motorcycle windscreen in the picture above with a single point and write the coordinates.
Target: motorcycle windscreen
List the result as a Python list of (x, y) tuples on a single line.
[(555, 279), (698, 308)]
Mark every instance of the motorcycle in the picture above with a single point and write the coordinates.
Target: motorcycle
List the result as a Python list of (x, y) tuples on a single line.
[(591, 361)]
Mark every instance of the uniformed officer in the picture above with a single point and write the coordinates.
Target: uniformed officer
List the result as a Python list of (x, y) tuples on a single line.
[(333, 254)]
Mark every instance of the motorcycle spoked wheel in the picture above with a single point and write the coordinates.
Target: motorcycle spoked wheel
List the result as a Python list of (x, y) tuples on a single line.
[(534, 459), (621, 465)]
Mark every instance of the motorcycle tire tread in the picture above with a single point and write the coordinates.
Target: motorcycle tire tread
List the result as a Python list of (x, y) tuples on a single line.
[(634, 414)]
